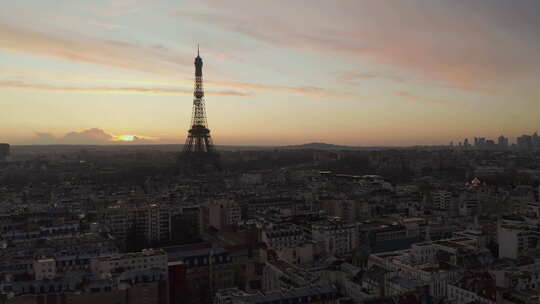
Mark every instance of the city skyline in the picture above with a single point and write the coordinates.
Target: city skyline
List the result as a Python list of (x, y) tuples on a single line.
[(360, 73)]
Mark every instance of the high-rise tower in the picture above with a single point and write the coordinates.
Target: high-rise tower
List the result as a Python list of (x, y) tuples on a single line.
[(198, 140)]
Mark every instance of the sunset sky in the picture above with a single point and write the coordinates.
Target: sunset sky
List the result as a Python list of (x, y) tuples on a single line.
[(276, 72)]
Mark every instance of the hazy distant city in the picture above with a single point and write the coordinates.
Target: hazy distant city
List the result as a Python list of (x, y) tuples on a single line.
[(338, 152)]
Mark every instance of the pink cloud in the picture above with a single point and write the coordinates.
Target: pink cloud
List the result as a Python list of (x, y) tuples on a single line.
[(430, 41)]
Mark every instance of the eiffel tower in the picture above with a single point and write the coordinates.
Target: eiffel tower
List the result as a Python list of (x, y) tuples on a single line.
[(199, 149)]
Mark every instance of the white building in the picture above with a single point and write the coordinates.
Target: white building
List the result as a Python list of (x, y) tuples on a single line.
[(513, 241), (154, 222), (303, 253), (462, 296), (44, 269), (146, 259), (400, 261), (281, 235), (442, 199), (335, 236), (224, 213), (469, 203), (421, 264)]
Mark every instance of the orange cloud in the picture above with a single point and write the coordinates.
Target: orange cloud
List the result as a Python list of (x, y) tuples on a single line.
[(93, 136)]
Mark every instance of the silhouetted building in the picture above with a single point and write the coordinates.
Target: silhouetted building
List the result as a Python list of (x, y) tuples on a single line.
[(536, 140), (502, 142), (490, 144), (466, 144), (479, 142), (524, 142), (4, 151)]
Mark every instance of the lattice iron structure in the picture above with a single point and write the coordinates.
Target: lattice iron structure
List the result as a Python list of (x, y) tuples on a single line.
[(198, 140)]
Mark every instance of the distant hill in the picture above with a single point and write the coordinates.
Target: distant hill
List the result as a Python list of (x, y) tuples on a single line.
[(318, 146), (332, 147)]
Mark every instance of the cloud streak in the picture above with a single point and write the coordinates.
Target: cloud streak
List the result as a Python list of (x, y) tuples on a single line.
[(354, 78), (309, 91), (112, 90), (415, 98), (119, 54), (315, 92)]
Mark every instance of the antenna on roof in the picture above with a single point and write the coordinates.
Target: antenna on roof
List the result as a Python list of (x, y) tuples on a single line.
[(197, 50)]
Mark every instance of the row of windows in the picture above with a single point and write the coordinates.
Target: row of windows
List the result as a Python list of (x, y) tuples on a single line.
[(215, 259), (139, 261)]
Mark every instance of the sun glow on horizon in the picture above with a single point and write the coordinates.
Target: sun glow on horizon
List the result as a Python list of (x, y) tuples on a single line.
[(125, 137)]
